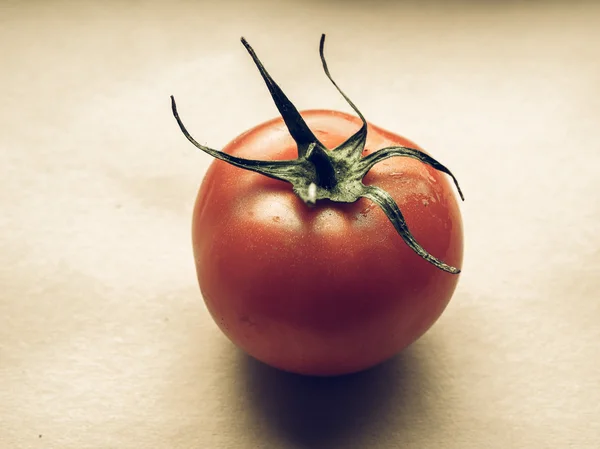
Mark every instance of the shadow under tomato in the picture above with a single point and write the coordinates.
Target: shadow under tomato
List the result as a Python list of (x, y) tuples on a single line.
[(315, 412)]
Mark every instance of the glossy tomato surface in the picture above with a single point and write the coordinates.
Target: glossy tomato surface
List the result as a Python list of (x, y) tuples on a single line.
[(330, 289)]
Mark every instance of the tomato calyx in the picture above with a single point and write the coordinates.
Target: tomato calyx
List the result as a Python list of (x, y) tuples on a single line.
[(335, 175)]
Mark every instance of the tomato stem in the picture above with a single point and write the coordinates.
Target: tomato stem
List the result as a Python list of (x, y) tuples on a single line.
[(335, 175)]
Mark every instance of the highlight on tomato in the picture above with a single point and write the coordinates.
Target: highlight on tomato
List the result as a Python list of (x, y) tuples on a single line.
[(323, 244)]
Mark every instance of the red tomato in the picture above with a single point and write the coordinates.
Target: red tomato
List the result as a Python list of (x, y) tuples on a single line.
[(343, 268), (329, 289)]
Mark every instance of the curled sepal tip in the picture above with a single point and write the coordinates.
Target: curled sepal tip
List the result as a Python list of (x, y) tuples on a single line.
[(380, 155), (392, 211), (281, 170), (355, 144)]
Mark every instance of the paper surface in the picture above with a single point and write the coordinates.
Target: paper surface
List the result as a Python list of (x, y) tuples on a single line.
[(104, 339)]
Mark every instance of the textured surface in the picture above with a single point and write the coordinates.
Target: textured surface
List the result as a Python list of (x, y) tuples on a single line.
[(104, 340)]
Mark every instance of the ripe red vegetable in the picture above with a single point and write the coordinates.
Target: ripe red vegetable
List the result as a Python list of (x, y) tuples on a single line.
[(303, 255)]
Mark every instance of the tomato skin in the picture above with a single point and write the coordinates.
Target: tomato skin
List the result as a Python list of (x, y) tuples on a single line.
[(330, 289)]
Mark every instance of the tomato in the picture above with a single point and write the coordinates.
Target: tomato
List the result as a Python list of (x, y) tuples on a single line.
[(327, 288)]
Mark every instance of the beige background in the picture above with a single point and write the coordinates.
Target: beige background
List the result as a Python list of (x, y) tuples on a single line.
[(104, 339)]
